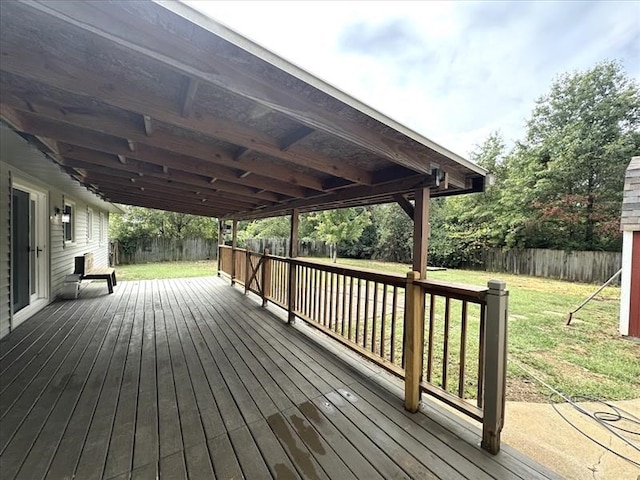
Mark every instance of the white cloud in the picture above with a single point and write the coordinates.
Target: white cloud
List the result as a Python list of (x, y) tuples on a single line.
[(453, 71)]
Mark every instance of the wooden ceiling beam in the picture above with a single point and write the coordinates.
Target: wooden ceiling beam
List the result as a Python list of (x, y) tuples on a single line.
[(43, 68), (109, 144), (99, 121), (169, 188), (98, 159), (116, 26), (158, 204), (359, 193), (107, 185)]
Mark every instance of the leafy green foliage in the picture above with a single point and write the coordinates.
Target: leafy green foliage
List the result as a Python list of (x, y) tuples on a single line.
[(345, 224), (396, 233), (567, 176), (137, 225), (561, 187)]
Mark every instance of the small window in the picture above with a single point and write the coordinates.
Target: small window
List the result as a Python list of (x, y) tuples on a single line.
[(89, 225), (69, 222)]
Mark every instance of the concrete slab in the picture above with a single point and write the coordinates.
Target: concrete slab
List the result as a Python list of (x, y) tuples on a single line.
[(538, 431)]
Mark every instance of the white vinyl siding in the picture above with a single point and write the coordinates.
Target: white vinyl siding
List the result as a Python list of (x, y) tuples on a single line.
[(5, 250)]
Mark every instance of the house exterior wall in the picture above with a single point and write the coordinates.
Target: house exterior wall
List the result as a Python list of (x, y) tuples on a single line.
[(60, 253), (5, 249)]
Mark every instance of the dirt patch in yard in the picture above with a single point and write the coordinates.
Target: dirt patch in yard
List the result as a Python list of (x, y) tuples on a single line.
[(524, 390)]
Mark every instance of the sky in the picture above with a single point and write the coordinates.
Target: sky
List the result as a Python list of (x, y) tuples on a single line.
[(452, 71)]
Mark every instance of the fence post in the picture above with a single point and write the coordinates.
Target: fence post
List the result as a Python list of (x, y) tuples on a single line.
[(495, 365), (291, 292), (266, 277), (414, 344), (247, 270)]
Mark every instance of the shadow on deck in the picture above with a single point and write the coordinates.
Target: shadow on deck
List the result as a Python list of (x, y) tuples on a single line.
[(190, 379)]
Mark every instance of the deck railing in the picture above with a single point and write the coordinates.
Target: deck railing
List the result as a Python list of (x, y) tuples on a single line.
[(446, 340)]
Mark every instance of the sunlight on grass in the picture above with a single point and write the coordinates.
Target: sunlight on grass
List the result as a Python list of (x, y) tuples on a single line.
[(157, 271)]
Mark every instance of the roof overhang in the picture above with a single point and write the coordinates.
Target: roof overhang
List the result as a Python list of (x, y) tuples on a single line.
[(157, 105)]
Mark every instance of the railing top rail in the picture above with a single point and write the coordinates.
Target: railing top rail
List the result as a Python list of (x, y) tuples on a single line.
[(362, 273), (455, 290)]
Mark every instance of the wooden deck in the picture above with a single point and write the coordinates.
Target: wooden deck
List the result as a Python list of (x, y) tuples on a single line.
[(190, 379)]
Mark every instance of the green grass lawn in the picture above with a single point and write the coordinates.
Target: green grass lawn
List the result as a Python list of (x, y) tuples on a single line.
[(586, 358), (589, 357), (151, 271)]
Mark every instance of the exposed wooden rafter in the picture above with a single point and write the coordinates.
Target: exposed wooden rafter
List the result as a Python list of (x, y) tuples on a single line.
[(121, 127), (189, 96), (78, 81), (148, 125)]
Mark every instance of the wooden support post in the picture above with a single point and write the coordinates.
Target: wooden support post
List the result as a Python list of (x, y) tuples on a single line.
[(421, 231), (414, 342), (220, 243), (293, 253), (293, 236), (266, 277), (495, 365), (234, 244), (247, 270)]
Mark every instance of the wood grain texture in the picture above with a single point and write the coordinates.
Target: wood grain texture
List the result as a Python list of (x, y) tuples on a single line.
[(192, 379)]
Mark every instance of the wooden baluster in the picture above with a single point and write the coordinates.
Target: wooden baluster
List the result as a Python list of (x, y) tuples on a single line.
[(366, 313), (358, 303), (247, 270), (332, 298), (344, 304), (383, 320), (463, 348), (392, 348), (292, 293), (445, 349), (432, 315), (375, 315)]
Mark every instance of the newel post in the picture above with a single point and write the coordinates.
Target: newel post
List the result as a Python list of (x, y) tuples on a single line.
[(495, 365), (414, 344), (266, 277), (247, 270)]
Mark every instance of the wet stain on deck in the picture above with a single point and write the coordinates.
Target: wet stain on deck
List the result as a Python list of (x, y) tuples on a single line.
[(301, 458)]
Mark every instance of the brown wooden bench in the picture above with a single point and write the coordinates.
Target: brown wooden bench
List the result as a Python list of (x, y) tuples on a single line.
[(84, 267)]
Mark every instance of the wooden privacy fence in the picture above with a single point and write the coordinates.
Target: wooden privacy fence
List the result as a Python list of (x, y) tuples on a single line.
[(164, 250), (589, 267), (446, 340)]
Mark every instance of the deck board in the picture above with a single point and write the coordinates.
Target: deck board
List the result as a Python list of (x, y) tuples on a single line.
[(191, 379)]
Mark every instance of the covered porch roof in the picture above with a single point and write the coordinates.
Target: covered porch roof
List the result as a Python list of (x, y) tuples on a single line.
[(156, 105)]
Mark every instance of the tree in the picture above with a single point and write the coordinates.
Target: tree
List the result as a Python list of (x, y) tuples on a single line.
[(568, 174), (463, 227), (344, 224), (396, 233), (137, 225)]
